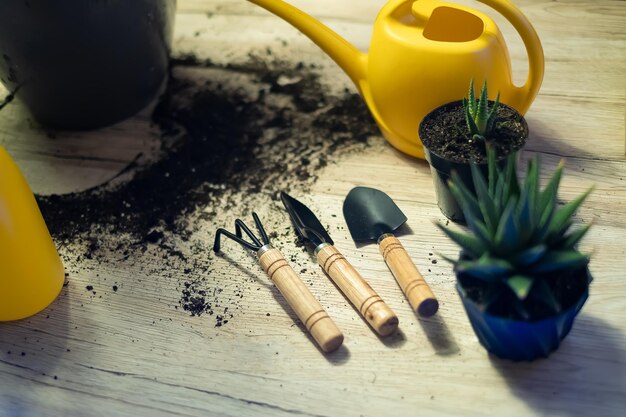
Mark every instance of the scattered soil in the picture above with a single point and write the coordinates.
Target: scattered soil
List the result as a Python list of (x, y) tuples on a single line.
[(232, 137), (445, 133), (214, 140)]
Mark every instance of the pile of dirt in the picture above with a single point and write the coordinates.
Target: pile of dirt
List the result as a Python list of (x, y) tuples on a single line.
[(232, 137)]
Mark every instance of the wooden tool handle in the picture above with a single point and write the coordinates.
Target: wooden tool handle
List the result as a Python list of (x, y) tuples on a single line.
[(307, 308), (375, 311), (409, 278)]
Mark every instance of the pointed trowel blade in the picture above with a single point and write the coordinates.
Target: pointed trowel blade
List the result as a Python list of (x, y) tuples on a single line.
[(371, 213), (306, 223)]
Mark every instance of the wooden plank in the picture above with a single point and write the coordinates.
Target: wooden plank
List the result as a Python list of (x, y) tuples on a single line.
[(126, 347)]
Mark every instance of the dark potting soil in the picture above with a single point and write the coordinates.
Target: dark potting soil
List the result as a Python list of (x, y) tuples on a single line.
[(236, 132), (445, 132), (567, 288), (216, 147)]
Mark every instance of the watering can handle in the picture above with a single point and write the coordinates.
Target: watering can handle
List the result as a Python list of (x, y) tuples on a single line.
[(526, 93)]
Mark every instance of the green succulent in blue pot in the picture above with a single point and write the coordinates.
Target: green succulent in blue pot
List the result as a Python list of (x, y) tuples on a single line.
[(520, 275)]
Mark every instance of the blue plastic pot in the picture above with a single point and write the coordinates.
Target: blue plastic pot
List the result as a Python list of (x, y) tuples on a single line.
[(521, 340)]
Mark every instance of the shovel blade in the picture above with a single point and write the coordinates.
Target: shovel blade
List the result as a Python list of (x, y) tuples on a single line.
[(371, 213)]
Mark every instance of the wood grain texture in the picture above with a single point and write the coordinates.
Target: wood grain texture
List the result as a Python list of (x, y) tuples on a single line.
[(367, 302), (409, 278), (307, 308), (135, 352)]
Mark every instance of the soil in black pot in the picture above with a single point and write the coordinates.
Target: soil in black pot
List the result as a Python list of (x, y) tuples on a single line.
[(444, 132)]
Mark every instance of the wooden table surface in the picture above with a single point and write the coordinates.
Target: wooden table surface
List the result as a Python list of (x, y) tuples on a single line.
[(134, 349)]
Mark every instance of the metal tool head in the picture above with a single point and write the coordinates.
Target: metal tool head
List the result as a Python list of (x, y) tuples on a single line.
[(371, 213), (306, 223), (255, 243)]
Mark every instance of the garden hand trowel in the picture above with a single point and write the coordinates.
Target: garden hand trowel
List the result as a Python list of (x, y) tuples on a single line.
[(369, 304), (372, 215)]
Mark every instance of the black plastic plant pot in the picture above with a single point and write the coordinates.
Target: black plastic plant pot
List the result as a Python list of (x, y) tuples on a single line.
[(520, 340), (84, 64), (441, 170), (441, 166)]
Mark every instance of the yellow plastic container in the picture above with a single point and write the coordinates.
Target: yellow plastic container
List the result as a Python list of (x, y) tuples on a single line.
[(31, 271), (422, 55)]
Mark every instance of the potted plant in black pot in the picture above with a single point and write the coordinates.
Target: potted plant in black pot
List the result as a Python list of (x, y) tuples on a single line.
[(520, 277), (459, 134)]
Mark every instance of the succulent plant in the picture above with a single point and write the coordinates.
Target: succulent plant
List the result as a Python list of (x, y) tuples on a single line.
[(521, 241), (479, 117)]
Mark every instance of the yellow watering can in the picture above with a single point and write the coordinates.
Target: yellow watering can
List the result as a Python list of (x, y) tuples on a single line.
[(31, 272), (423, 54)]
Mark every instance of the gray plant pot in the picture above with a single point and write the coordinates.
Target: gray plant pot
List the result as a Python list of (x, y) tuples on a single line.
[(84, 64)]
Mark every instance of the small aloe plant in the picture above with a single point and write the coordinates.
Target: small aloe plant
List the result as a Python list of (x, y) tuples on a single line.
[(480, 119), (521, 239)]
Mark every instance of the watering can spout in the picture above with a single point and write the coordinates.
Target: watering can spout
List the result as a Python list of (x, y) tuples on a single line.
[(349, 58), (422, 54)]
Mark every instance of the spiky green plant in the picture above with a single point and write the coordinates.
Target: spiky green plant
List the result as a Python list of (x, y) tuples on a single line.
[(479, 117), (520, 238)]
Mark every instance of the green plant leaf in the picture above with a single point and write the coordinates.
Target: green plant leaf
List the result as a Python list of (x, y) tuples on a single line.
[(547, 212), (542, 229), (529, 256), (447, 258), (526, 211), (471, 244), (525, 218), (511, 186), (563, 215), (549, 193), (485, 202), (573, 238), (492, 171), (557, 260), (471, 211), (469, 118), (531, 183), (493, 114), (499, 192), (463, 196), (472, 97), (520, 285), (486, 268), (481, 113), (508, 232), (543, 294), (555, 239)]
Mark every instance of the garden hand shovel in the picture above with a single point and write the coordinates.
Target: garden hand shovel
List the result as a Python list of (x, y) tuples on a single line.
[(369, 304), (372, 215)]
